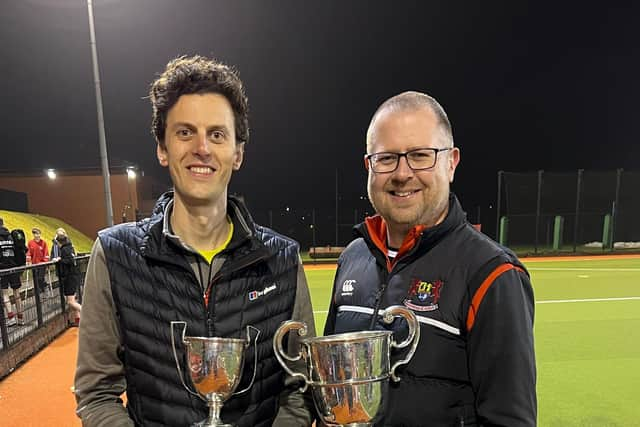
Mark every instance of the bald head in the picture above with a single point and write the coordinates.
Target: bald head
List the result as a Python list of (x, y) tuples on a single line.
[(412, 101)]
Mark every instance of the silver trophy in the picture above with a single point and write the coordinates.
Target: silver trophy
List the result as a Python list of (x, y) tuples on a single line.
[(349, 373), (215, 368)]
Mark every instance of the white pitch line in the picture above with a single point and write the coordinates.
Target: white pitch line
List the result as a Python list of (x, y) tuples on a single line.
[(554, 301), (580, 269), (558, 301)]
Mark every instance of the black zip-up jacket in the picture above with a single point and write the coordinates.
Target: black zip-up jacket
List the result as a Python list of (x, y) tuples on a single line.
[(68, 266), (153, 283), (7, 249), (475, 362)]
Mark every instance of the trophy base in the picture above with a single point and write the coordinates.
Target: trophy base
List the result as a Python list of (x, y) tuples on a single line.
[(351, 425), (211, 423)]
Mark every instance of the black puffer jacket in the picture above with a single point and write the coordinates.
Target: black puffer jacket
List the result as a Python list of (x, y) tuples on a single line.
[(153, 284), (67, 267)]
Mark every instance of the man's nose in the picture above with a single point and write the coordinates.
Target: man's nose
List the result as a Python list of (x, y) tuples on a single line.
[(202, 147), (403, 171)]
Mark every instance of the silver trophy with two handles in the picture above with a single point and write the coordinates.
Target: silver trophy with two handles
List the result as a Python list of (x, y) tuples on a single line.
[(349, 373), (214, 366)]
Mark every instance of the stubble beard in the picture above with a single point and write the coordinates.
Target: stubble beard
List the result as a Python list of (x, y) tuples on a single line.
[(430, 215)]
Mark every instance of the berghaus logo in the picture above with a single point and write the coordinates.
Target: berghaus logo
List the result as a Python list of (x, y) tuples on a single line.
[(254, 295)]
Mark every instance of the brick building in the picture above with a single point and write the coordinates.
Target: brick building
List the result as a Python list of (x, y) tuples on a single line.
[(77, 195)]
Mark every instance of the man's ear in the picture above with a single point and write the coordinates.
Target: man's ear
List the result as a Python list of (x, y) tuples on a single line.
[(366, 162), (161, 152), (454, 159), (238, 156)]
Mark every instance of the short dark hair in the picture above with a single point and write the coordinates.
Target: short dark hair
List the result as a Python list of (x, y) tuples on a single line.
[(36, 230), (197, 74), (412, 100)]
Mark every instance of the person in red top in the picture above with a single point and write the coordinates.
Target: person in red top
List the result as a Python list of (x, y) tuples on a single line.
[(39, 253), (38, 250)]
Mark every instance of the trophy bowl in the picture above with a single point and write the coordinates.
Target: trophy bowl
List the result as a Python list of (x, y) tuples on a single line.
[(349, 373), (214, 366), (352, 404)]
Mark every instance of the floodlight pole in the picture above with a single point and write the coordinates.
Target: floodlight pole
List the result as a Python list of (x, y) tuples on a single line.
[(614, 209), (104, 160)]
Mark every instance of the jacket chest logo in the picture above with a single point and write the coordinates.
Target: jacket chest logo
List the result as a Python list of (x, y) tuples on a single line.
[(424, 295), (254, 295), (347, 287)]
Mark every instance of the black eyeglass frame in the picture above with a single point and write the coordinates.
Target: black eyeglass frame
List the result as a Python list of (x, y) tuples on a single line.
[(405, 154)]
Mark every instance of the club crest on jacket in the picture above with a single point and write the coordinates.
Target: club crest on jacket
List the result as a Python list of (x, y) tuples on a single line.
[(424, 295)]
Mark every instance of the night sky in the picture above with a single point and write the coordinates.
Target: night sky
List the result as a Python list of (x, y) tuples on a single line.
[(527, 86)]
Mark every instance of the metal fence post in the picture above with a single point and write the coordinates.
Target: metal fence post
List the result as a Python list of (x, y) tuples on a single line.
[(535, 248), (558, 229), (577, 217), (504, 230), (606, 232), (615, 208)]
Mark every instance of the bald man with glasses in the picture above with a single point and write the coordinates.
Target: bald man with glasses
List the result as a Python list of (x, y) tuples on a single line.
[(475, 362)]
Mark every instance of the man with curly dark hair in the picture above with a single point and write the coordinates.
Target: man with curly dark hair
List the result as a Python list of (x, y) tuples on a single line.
[(199, 259)]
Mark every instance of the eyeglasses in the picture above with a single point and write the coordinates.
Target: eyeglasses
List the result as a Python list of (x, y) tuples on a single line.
[(418, 159)]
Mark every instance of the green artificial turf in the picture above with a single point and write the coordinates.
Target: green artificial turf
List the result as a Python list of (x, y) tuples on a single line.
[(588, 352)]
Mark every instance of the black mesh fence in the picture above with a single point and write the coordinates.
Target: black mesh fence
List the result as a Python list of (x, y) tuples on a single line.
[(581, 211), (315, 226)]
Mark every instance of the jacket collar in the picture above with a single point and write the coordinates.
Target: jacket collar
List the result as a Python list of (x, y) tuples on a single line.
[(374, 231), (160, 242)]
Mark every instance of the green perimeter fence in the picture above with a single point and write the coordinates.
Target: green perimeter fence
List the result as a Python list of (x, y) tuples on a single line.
[(581, 211)]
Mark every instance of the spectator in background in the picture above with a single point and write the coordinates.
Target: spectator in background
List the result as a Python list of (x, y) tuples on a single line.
[(69, 273), (39, 253), (8, 259), (20, 242), (55, 247), (20, 253), (55, 251)]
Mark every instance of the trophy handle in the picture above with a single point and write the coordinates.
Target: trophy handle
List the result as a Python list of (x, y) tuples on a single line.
[(175, 354), (282, 355), (255, 356), (412, 338)]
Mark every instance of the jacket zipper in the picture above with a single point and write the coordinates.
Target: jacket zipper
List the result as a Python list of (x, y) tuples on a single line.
[(381, 291), (378, 301), (209, 310)]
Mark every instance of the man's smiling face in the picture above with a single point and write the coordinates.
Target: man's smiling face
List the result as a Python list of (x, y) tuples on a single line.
[(406, 197), (200, 148)]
